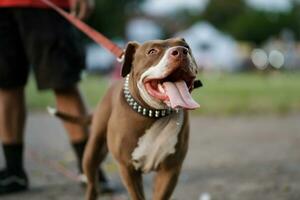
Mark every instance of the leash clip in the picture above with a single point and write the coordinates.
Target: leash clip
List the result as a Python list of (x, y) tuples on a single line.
[(120, 59)]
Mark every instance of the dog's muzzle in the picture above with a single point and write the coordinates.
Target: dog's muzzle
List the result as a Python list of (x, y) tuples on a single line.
[(152, 113)]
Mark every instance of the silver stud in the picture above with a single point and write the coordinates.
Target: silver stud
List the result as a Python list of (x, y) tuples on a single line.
[(157, 113), (144, 111), (150, 113), (139, 109), (163, 113)]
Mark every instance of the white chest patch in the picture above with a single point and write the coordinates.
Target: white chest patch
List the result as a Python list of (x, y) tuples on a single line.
[(158, 142)]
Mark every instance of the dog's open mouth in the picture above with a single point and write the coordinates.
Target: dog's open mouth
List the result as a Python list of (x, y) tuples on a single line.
[(174, 90)]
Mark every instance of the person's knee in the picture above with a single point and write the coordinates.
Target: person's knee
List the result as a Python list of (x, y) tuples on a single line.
[(11, 92), (70, 100), (66, 91), (11, 98)]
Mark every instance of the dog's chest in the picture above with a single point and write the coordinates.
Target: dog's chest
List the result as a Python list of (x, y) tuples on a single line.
[(158, 142)]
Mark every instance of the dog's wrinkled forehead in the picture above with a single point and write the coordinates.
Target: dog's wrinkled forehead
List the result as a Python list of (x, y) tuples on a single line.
[(142, 56), (155, 49), (162, 45)]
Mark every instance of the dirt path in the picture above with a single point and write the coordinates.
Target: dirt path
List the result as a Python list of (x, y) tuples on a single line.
[(236, 158)]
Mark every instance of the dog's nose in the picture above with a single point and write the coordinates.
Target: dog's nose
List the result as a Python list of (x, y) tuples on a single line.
[(178, 52)]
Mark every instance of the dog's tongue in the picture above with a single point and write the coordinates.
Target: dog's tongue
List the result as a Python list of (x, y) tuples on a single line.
[(179, 95)]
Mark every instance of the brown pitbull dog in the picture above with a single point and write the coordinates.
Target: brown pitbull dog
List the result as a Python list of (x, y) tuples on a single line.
[(143, 120)]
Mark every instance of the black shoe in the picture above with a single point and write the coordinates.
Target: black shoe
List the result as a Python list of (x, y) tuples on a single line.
[(11, 182), (105, 186)]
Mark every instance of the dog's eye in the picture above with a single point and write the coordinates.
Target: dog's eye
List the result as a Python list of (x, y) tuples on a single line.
[(152, 51)]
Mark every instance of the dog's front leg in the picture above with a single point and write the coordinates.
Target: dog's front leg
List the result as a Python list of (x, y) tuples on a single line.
[(133, 182), (165, 182)]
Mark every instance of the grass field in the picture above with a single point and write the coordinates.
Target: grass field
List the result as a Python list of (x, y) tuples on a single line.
[(222, 94)]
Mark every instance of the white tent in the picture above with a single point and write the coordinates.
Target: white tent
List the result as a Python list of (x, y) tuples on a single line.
[(212, 49)]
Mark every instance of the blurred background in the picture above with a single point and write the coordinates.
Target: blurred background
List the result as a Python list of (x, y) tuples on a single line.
[(245, 138), (248, 50)]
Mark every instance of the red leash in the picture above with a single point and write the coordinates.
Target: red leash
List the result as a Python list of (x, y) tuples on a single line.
[(89, 31)]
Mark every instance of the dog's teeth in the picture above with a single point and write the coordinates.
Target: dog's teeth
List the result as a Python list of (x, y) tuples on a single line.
[(161, 89)]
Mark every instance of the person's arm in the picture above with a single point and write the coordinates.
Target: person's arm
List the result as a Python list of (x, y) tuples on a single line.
[(82, 8)]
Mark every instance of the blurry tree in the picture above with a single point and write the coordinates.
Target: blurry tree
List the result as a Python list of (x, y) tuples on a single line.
[(220, 13), (110, 16), (244, 23), (257, 26)]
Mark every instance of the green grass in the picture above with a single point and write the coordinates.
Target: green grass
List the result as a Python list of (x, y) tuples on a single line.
[(222, 94)]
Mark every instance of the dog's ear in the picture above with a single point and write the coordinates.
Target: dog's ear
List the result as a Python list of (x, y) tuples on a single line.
[(128, 57)]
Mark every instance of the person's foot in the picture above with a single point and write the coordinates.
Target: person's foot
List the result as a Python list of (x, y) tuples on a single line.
[(105, 186), (11, 182)]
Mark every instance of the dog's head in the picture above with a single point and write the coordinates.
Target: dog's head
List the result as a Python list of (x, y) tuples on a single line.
[(162, 71)]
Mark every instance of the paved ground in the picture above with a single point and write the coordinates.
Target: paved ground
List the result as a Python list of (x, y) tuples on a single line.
[(236, 158)]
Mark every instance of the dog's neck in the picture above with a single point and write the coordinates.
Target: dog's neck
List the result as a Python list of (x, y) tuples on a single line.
[(139, 108)]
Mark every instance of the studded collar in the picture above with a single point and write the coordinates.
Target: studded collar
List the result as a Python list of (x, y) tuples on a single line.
[(152, 113)]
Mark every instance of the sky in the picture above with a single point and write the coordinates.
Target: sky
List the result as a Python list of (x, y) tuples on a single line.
[(165, 7), (271, 5)]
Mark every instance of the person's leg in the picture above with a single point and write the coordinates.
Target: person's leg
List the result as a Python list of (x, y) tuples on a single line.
[(12, 121), (70, 101), (13, 77), (57, 59)]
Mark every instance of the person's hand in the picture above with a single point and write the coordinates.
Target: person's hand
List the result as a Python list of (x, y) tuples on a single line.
[(82, 8)]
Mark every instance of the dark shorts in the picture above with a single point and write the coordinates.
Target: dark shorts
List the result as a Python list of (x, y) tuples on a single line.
[(41, 40)]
